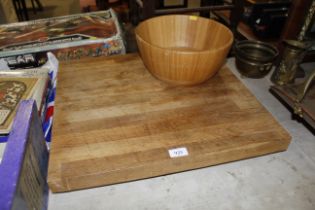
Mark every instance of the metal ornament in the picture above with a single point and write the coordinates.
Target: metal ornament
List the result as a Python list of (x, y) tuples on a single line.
[(293, 55), (307, 22)]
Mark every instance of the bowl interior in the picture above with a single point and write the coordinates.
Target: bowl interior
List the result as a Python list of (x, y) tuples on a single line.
[(183, 32)]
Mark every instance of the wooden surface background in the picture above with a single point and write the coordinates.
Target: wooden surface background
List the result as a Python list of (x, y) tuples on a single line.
[(114, 122)]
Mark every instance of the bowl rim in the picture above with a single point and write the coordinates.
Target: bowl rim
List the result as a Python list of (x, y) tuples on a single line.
[(260, 45), (226, 45)]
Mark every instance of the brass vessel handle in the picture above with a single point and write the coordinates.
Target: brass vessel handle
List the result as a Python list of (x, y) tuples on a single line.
[(303, 88), (300, 92)]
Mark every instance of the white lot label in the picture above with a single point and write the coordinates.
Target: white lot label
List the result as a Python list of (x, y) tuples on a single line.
[(178, 152)]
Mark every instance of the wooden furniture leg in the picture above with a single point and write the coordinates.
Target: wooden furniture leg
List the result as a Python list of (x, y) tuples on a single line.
[(39, 4), (236, 15)]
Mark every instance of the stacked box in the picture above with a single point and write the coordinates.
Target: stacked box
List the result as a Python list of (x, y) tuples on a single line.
[(23, 169), (25, 44), (47, 105)]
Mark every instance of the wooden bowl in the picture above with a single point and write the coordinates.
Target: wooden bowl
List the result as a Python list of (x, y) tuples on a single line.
[(183, 49)]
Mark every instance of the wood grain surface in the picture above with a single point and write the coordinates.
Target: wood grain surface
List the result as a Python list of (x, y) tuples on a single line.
[(183, 49), (114, 122)]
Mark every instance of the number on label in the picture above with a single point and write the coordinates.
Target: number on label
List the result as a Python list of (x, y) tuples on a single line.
[(178, 152)]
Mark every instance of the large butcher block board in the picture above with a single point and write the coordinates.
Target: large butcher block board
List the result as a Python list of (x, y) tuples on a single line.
[(114, 122)]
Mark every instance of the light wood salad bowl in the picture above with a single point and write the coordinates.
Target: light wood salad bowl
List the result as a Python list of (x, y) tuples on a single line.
[(183, 49)]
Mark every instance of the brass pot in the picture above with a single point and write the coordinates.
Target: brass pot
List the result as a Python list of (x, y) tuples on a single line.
[(254, 59)]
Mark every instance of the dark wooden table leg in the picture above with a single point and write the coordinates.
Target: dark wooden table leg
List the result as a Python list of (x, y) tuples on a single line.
[(203, 3), (134, 12), (24, 8), (40, 6), (236, 15), (34, 8), (17, 9), (148, 9)]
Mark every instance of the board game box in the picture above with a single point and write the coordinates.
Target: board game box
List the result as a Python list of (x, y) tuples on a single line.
[(19, 85), (25, 44)]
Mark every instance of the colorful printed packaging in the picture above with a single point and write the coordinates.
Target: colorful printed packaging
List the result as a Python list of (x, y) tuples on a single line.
[(25, 44)]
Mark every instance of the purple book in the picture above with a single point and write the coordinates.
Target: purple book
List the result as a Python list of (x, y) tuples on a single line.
[(23, 169)]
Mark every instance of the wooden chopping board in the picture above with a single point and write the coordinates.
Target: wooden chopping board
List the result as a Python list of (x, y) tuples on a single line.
[(114, 122)]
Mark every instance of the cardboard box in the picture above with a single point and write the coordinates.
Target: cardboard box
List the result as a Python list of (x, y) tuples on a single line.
[(23, 169), (25, 44), (46, 106)]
